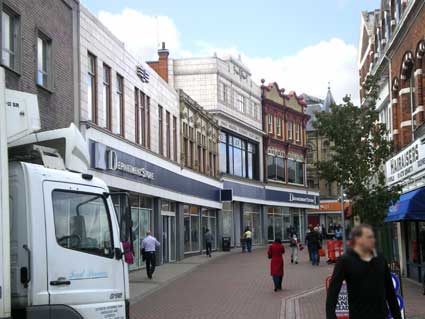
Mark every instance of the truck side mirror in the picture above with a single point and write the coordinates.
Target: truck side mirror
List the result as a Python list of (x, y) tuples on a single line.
[(118, 253)]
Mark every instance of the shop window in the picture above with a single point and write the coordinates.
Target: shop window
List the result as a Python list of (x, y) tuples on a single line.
[(209, 221), (412, 243), (191, 229), (251, 219), (141, 216), (277, 225), (422, 243)]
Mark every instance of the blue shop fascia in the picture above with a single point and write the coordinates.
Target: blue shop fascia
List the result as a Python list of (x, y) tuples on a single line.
[(178, 204)]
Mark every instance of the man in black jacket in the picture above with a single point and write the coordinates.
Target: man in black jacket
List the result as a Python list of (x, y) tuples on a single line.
[(370, 288)]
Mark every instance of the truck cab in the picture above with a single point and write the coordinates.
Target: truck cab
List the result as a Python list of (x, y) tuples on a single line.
[(66, 252)]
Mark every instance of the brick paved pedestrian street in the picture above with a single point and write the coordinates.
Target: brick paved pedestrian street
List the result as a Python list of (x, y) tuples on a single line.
[(238, 285), (234, 286)]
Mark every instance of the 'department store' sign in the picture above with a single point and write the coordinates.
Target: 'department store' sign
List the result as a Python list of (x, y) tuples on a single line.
[(406, 163)]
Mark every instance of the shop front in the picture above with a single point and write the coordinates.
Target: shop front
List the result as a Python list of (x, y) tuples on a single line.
[(408, 214), (268, 211), (175, 204), (409, 211), (327, 217)]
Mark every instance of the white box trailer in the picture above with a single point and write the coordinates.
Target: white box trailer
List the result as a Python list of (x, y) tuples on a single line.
[(61, 243)]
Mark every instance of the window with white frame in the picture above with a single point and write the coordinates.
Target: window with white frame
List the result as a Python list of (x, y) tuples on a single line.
[(290, 130), (270, 123), (44, 61), (10, 39), (278, 126), (119, 107), (297, 132)]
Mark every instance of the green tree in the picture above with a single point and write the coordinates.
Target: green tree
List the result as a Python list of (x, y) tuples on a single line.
[(359, 150)]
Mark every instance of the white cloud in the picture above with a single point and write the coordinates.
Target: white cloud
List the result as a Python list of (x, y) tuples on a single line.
[(308, 71), (141, 33)]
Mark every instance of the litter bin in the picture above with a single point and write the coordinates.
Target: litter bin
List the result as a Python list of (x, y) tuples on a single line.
[(225, 243)]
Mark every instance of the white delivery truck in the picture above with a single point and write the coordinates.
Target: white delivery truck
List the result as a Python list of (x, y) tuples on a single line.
[(61, 251)]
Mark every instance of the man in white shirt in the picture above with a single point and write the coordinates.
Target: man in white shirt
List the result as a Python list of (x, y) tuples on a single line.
[(148, 248)]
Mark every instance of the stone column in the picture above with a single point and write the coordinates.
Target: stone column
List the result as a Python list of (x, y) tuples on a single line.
[(405, 130), (179, 231), (396, 122), (419, 110), (157, 228)]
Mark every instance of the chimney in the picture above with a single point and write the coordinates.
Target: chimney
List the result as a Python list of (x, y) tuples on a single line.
[(161, 66)]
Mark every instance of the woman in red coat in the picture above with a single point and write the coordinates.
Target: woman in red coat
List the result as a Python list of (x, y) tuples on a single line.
[(276, 250)]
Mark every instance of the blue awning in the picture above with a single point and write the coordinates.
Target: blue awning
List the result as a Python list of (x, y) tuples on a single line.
[(410, 206)]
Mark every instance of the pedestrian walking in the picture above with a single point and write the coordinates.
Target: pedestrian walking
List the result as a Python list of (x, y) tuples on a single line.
[(293, 244), (370, 288), (148, 246), (247, 235), (309, 230), (275, 254), (314, 244), (208, 236), (338, 232)]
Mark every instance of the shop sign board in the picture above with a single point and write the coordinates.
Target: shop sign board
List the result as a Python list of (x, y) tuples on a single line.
[(342, 310), (406, 163)]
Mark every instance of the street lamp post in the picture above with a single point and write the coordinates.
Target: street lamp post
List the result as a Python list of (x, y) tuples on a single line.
[(344, 239)]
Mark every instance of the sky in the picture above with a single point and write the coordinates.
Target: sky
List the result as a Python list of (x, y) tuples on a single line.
[(302, 45)]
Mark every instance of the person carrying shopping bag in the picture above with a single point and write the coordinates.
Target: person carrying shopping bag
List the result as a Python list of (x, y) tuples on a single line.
[(293, 244)]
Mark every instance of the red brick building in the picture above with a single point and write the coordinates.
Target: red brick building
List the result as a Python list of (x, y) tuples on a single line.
[(284, 121), (392, 48)]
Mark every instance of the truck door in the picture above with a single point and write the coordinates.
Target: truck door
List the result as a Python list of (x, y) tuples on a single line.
[(84, 271)]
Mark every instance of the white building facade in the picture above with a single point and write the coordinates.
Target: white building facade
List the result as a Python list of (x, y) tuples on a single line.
[(130, 117)]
